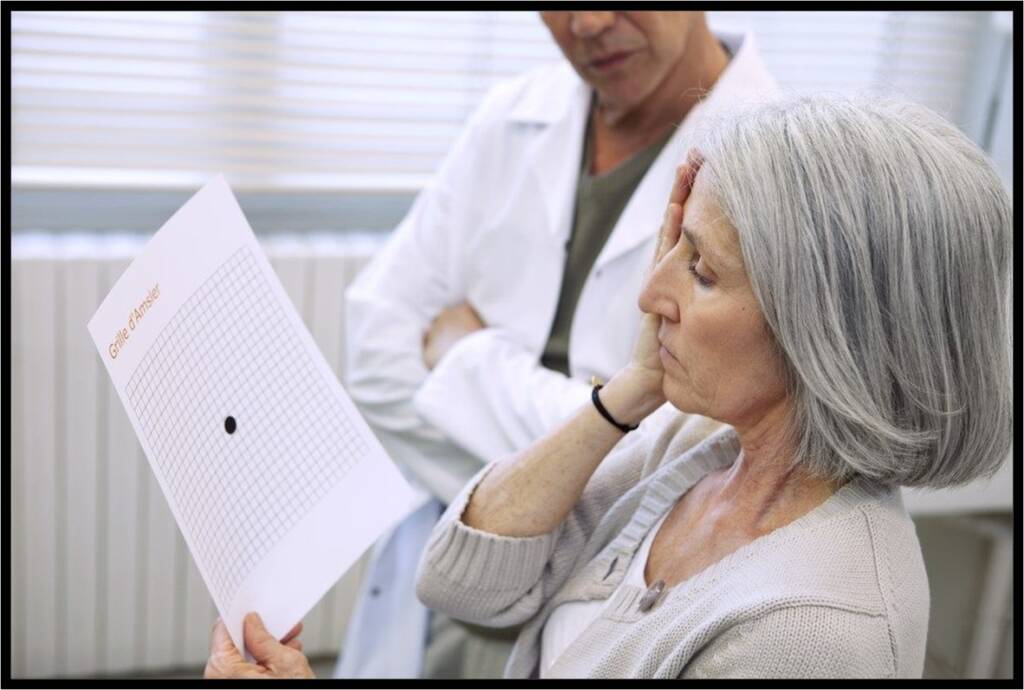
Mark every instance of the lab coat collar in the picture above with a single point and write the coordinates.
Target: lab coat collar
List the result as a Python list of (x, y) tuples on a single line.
[(745, 78), (558, 106), (560, 96)]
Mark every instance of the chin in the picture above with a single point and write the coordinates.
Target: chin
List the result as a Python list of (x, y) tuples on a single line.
[(623, 90), (680, 397)]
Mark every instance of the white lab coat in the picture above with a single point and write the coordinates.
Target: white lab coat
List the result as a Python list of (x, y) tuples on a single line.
[(491, 229)]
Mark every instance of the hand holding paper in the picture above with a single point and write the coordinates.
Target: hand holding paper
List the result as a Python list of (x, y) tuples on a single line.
[(273, 658)]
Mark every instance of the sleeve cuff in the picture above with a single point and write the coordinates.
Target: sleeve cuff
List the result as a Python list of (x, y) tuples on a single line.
[(470, 558), (435, 393), (457, 377)]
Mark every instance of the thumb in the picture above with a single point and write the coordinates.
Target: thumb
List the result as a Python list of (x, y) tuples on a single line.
[(258, 640), (645, 350), (220, 640)]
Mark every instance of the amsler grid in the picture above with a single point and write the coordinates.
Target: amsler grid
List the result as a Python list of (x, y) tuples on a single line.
[(222, 411)]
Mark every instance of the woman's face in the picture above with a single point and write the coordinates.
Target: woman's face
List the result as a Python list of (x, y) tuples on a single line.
[(716, 349)]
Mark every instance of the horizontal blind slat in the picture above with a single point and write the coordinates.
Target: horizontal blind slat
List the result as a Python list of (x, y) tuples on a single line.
[(246, 178), (228, 103), (43, 120)]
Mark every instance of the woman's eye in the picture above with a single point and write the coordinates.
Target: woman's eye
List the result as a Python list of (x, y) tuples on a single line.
[(703, 280)]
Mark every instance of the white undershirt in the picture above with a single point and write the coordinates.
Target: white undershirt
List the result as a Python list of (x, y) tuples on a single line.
[(568, 621)]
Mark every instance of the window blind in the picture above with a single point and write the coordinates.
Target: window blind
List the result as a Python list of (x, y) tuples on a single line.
[(361, 100), (924, 56)]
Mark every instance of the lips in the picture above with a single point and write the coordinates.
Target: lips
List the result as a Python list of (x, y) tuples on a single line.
[(611, 60), (665, 353), (666, 358)]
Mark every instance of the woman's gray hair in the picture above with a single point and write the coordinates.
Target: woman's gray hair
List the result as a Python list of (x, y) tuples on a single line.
[(878, 241)]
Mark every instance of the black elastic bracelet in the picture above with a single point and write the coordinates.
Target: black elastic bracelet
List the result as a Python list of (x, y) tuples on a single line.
[(624, 428)]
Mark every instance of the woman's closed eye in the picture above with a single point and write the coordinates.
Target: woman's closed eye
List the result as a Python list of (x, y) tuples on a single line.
[(704, 280)]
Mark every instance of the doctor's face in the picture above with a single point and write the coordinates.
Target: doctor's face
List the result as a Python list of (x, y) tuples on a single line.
[(717, 351), (624, 56)]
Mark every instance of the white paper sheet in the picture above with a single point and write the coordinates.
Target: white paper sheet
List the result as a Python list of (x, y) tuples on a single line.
[(199, 330)]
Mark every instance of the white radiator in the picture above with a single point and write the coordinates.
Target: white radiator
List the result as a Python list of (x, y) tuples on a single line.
[(101, 579)]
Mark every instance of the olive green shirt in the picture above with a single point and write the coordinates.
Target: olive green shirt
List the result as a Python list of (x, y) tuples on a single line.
[(600, 200)]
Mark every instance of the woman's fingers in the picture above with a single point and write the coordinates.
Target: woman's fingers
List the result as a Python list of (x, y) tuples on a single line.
[(258, 640), (293, 633), (670, 229), (225, 660), (686, 173), (220, 641), (680, 185), (275, 659), (662, 245)]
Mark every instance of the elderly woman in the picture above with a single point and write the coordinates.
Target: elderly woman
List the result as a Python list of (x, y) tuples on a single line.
[(827, 315)]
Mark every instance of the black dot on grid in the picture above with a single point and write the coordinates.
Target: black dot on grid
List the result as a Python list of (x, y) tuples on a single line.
[(230, 425)]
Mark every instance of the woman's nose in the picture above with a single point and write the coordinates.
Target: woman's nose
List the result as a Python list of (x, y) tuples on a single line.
[(655, 298)]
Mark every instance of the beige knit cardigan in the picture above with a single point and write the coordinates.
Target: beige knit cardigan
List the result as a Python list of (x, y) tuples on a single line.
[(839, 592)]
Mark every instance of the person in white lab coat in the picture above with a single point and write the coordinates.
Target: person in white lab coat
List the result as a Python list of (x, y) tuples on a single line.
[(513, 280)]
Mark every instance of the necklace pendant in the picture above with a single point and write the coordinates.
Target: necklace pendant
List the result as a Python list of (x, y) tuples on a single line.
[(650, 597)]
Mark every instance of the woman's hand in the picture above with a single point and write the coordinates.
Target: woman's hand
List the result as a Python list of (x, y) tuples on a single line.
[(274, 659), (532, 492), (641, 381), (449, 327)]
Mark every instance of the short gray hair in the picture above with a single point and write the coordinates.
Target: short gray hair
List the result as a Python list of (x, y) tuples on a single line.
[(878, 241)]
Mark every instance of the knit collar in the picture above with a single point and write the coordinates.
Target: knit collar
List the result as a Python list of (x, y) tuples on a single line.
[(667, 485), (673, 480)]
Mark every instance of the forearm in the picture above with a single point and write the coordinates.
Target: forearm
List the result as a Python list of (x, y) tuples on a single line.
[(531, 493), (506, 401), (383, 359)]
